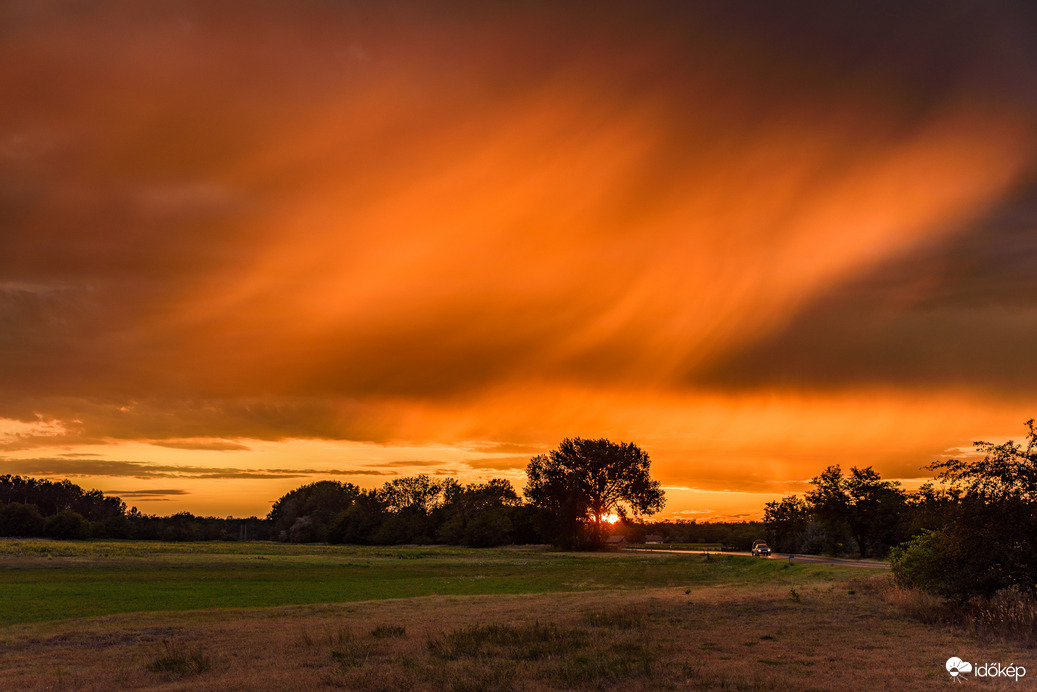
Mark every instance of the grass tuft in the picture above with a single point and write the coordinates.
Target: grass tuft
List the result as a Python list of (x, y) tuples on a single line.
[(620, 661), (617, 620), (179, 661), (524, 642), (489, 677), (389, 632), (348, 651), (1010, 614)]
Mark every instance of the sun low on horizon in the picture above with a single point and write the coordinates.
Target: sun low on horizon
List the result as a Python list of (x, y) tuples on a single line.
[(248, 246)]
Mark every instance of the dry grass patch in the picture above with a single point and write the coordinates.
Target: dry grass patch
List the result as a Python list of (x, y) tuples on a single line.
[(383, 631), (744, 637), (178, 660), (1009, 616)]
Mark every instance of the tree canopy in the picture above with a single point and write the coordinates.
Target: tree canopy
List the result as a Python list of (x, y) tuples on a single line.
[(986, 536), (840, 514), (868, 507), (582, 482)]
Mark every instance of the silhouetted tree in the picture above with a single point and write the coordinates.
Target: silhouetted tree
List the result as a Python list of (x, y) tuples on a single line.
[(407, 507), (419, 493), (583, 481), (51, 497), (477, 515), (94, 505), (867, 507), (360, 523), (988, 539), (305, 514), (786, 523)]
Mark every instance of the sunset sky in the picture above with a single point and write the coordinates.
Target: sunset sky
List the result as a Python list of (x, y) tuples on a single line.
[(249, 245)]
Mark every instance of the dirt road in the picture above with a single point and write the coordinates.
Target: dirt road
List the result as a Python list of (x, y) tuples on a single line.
[(780, 556)]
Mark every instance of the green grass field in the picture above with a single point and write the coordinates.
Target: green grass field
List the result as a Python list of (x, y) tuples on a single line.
[(43, 580), (223, 617)]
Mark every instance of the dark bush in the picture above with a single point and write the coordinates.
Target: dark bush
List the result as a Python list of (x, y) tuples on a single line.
[(491, 527), (67, 525), (17, 519)]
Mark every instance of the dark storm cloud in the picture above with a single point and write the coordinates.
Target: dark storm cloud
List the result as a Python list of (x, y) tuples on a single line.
[(145, 470), (263, 220), (961, 313), (174, 420), (148, 494), (214, 446)]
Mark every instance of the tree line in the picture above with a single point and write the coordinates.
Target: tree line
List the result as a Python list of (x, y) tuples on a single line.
[(570, 493), (31, 507), (972, 531)]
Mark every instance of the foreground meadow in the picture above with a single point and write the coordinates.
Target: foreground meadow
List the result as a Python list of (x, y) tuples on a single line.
[(113, 615)]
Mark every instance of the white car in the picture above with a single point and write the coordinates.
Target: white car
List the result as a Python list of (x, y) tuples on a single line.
[(761, 549)]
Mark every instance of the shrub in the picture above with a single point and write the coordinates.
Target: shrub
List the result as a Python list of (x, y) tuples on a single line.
[(491, 527), (971, 557), (988, 540), (17, 519), (67, 525)]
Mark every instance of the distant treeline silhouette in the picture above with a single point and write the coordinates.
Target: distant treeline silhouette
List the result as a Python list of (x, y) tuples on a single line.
[(415, 509), (423, 510), (972, 532), (31, 507)]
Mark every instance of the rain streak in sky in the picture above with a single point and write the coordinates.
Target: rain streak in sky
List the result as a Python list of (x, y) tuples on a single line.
[(246, 245)]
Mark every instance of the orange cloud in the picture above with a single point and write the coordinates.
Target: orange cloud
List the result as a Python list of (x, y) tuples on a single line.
[(504, 225)]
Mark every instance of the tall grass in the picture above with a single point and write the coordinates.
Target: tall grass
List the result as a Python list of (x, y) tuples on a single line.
[(1009, 615), (179, 661), (495, 641), (1009, 611)]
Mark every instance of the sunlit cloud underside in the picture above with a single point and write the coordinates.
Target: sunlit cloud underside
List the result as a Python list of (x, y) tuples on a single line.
[(248, 246)]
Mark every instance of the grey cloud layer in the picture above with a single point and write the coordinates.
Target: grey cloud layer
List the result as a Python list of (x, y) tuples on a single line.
[(144, 470)]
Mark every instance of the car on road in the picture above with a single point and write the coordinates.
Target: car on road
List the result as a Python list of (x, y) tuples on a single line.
[(760, 548)]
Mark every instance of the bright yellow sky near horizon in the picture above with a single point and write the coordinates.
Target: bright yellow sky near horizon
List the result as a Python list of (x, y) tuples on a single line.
[(250, 245)]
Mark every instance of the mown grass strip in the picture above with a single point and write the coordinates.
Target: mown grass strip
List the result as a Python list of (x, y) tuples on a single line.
[(36, 590)]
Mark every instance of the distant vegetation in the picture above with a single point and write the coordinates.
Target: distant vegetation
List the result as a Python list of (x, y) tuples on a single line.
[(858, 514), (972, 532), (980, 537), (409, 510), (33, 507), (570, 493), (577, 487)]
